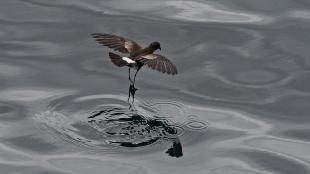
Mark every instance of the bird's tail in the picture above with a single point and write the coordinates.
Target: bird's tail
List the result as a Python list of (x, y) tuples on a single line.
[(117, 60)]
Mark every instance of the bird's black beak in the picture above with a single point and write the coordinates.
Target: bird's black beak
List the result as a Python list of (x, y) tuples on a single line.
[(159, 48)]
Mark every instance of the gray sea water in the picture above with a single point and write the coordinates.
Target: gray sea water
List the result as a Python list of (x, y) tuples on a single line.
[(239, 105)]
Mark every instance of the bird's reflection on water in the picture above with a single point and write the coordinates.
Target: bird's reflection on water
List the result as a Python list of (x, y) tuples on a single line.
[(135, 130)]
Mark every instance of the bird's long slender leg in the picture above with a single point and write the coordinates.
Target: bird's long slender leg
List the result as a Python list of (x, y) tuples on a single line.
[(133, 91), (129, 93), (134, 79), (129, 76)]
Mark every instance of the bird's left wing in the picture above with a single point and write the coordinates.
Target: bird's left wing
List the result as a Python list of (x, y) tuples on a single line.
[(158, 62), (118, 43)]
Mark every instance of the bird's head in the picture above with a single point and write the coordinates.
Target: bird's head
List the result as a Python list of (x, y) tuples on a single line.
[(155, 46)]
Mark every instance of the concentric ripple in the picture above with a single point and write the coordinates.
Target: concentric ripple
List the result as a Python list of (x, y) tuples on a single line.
[(108, 123)]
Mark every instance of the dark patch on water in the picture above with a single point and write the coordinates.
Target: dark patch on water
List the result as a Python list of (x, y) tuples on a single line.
[(136, 130)]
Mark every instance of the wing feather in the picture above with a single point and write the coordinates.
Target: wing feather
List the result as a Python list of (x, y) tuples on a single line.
[(164, 67), (117, 43), (158, 62)]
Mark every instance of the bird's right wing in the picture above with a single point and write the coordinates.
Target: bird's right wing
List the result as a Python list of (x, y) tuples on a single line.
[(118, 43), (158, 62)]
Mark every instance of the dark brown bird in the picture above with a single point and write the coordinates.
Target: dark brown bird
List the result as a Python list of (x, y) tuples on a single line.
[(137, 56)]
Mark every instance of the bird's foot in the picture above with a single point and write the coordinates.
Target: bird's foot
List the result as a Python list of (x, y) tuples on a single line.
[(132, 89)]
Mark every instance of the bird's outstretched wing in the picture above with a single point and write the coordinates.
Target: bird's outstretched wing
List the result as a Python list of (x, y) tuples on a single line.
[(117, 43), (158, 62)]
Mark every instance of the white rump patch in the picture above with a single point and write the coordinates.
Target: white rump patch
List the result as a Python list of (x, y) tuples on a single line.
[(128, 60)]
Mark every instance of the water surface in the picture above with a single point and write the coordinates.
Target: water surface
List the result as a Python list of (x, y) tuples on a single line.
[(240, 103)]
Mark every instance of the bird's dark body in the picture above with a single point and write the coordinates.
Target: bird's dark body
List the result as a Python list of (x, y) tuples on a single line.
[(137, 54), (143, 52), (137, 65)]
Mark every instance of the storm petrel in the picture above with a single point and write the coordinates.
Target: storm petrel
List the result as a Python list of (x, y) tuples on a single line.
[(137, 56)]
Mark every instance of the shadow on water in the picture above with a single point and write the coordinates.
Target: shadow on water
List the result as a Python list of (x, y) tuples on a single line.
[(135, 130)]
